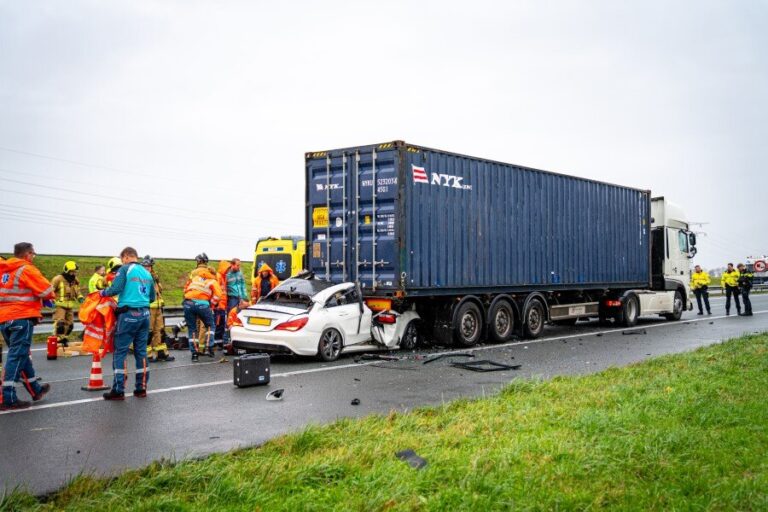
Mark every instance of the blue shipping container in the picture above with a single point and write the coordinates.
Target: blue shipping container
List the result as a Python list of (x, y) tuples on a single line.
[(404, 219)]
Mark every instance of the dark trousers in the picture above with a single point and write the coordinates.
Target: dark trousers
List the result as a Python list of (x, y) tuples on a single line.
[(132, 328), (747, 302), (702, 293), (732, 290)]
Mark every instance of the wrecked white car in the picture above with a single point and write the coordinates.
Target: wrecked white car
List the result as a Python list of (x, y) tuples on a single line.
[(312, 317)]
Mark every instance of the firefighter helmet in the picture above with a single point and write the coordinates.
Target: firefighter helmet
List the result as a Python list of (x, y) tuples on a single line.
[(201, 258), (113, 264), (70, 266)]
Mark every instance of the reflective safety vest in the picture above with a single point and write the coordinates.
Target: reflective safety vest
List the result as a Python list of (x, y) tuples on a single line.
[(67, 294), (202, 285), (96, 283), (22, 287), (730, 278), (99, 323), (699, 280)]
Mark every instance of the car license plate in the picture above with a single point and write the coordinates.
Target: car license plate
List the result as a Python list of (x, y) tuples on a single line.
[(255, 320)]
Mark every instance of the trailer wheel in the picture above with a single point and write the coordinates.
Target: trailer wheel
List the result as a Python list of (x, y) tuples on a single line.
[(630, 311), (533, 321), (469, 325), (502, 321), (677, 308)]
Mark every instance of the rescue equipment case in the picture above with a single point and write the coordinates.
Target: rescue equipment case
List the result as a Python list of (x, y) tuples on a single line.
[(251, 370)]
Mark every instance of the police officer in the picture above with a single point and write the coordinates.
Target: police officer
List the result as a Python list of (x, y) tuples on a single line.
[(745, 285), (700, 281), (730, 283), (136, 288), (68, 296)]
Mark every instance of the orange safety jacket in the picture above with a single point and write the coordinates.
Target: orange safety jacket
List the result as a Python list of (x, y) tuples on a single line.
[(202, 285), (22, 289), (273, 281), (232, 316), (99, 321), (221, 278)]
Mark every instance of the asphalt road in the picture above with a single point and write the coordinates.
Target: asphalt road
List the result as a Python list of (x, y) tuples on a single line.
[(194, 410)]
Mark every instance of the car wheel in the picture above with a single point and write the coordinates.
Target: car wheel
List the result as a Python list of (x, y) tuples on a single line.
[(410, 339), (469, 326), (534, 319), (630, 311), (677, 308), (330, 345), (502, 321)]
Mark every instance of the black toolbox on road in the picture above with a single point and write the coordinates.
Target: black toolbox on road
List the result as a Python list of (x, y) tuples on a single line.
[(251, 370)]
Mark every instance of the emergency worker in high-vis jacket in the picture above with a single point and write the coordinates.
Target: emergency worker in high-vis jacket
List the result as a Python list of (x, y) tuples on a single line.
[(23, 289), (97, 282), (730, 283), (264, 283), (136, 290), (157, 350), (66, 286), (201, 293), (745, 286), (700, 282)]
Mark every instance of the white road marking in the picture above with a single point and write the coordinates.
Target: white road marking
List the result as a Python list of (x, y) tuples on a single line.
[(358, 365)]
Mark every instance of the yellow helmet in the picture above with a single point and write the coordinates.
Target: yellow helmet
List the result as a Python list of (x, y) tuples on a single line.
[(114, 263), (70, 266)]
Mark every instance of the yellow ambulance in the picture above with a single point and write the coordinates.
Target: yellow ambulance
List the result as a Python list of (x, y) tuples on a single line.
[(285, 255)]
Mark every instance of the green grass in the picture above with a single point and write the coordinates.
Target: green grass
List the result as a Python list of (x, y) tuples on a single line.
[(172, 272), (679, 432)]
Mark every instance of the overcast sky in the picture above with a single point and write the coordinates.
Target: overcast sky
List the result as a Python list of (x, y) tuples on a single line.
[(180, 127)]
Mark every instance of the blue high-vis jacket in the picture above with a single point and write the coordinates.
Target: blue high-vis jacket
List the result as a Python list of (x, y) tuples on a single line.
[(135, 286)]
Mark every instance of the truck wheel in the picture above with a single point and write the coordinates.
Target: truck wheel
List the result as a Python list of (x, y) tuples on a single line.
[(533, 321), (410, 339), (630, 311), (502, 321), (469, 325), (677, 308), (330, 345)]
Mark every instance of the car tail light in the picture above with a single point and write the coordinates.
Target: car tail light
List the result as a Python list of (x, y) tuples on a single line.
[(293, 325), (612, 303), (236, 322), (387, 318)]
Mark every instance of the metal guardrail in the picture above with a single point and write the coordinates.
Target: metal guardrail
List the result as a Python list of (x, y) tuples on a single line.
[(173, 311)]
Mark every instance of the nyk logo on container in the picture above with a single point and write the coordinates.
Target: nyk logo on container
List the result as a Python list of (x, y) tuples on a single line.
[(444, 180)]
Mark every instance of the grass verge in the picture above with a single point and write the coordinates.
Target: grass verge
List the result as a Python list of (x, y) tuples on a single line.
[(688, 431)]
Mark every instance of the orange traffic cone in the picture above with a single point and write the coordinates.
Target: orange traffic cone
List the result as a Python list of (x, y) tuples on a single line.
[(95, 381)]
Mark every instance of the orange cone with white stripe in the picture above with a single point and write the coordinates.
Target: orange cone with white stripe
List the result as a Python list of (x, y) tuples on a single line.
[(96, 380)]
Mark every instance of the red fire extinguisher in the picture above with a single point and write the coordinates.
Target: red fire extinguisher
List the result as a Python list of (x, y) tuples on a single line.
[(53, 347)]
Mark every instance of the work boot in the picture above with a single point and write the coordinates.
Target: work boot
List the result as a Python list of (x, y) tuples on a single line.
[(229, 350), (112, 395), (195, 357), (163, 356), (210, 352), (64, 342), (700, 313), (18, 404), (45, 388), (140, 393)]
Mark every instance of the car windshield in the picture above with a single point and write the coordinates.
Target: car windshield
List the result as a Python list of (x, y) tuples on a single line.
[(296, 292)]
